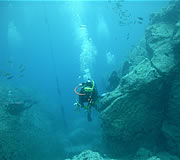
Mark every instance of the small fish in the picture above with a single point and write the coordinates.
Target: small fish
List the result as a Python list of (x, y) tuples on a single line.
[(22, 70), (121, 22), (139, 22), (5, 74), (10, 77), (10, 61), (118, 5), (21, 66), (140, 18)]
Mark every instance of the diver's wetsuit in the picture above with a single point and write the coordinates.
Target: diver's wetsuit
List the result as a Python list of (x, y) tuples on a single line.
[(88, 97)]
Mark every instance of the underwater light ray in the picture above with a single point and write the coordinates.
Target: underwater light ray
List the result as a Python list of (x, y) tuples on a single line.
[(88, 49)]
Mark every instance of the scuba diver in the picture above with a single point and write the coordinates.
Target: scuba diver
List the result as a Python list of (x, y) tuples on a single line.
[(88, 97)]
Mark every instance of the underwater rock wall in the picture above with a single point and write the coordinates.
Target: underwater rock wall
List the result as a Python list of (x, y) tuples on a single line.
[(25, 133), (142, 154), (143, 111), (171, 124)]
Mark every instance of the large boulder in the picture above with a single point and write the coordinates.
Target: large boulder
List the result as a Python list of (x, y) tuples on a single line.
[(143, 111), (134, 117), (25, 133), (87, 155)]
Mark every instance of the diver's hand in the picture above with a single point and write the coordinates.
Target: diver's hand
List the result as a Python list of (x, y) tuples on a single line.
[(77, 106)]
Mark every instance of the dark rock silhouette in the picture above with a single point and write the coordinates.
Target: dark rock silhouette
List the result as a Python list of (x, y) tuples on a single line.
[(113, 81)]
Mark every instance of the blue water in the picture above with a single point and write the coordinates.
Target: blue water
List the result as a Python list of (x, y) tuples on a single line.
[(80, 33)]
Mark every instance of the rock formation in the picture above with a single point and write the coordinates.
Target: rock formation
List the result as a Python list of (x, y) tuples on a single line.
[(25, 133), (142, 154), (87, 155), (144, 110)]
